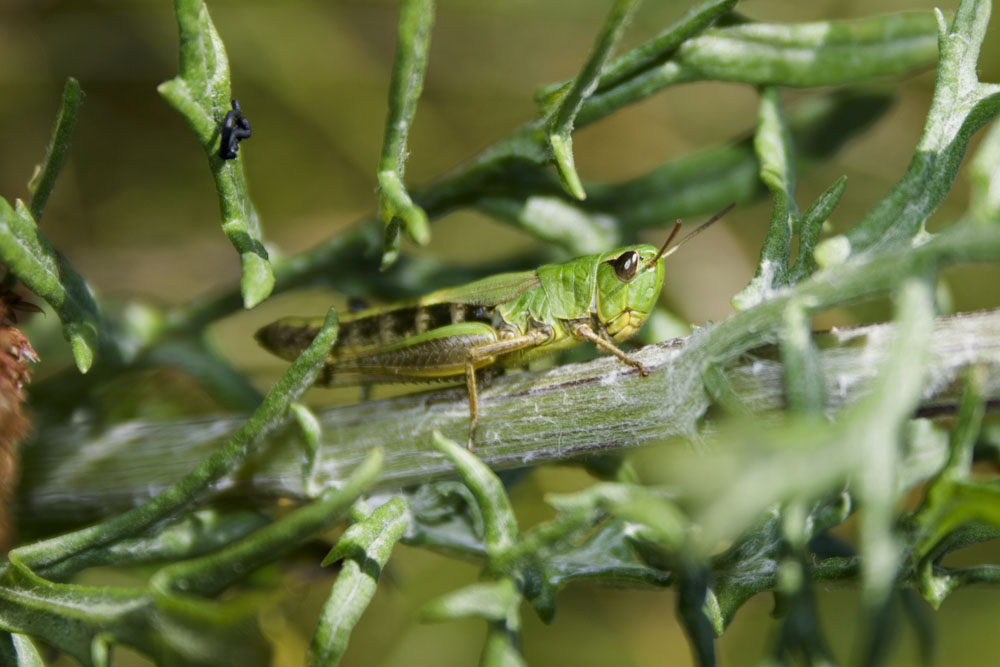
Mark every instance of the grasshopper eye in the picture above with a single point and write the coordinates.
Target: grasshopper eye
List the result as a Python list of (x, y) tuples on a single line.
[(626, 265)]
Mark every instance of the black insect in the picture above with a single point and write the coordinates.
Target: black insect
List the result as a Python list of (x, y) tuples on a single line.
[(235, 128)]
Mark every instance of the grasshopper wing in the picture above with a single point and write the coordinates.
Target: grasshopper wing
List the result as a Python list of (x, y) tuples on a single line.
[(491, 291)]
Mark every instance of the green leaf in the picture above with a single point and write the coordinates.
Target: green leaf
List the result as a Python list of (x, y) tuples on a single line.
[(954, 506), (874, 426), (499, 521), (395, 207), (373, 537), (495, 601), (212, 573), (366, 547), (777, 170), (661, 47), (689, 185), (560, 127), (44, 179), (984, 172), (804, 382), (398, 212), (556, 219), (501, 649), (960, 106), (100, 650), (561, 145), (821, 53), (446, 517), (257, 280), (198, 533), (649, 54), (810, 228), (201, 94), (27, 654), (29, 255), (78, 619), (311, 431), (268, 416), (805, 54)]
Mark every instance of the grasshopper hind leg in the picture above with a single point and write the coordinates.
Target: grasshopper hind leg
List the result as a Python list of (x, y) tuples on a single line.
[(470, 383)]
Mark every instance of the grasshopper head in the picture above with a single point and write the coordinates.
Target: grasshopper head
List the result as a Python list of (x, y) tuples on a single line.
[(629, 281), (628, 284)]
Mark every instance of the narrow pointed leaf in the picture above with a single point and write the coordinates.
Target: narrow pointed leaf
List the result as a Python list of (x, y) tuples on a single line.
[(44, 180)]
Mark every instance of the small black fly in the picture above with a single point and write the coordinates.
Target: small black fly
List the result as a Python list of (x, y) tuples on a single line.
[(235, 128)]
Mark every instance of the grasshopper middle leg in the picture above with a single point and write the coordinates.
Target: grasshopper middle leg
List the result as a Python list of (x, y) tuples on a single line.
[(484, 352)]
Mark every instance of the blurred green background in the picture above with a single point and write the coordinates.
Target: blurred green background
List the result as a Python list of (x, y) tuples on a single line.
[(136, 213)]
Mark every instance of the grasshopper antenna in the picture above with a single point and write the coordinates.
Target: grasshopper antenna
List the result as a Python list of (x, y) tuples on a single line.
[(677, 225)]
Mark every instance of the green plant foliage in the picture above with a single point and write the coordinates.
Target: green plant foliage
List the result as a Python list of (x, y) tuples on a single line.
[(959, 94), (985, 204), (30, 257), (27, 654), (365, 548), (396, 208), (795, 437), (560, 127), (496, 603), (44, 180), (271, 411), (201, 93)]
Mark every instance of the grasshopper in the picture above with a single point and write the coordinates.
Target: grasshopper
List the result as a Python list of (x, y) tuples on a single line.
[(506, 320)]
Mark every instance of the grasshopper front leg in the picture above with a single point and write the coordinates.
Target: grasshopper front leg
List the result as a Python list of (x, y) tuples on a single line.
[(482, 353), (584, 330)]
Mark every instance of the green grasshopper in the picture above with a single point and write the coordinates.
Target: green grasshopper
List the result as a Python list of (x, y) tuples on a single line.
[(505, 320)]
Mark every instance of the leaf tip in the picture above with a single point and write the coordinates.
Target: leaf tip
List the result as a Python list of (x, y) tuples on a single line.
[(833, 251), (417, 227), (83, 352), (257, 280), (308, 424), (390, 252), (335, 554), (443, 444), (562, 151), (942, 23)]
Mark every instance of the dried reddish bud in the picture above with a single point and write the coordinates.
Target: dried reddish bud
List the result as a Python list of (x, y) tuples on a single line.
[(15, 354)]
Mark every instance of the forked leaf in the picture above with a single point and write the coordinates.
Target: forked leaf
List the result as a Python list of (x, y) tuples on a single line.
[(29, 255), (366, 547), (201, 94), (772, 143), (560, 126), (395, 206), (960, 106)]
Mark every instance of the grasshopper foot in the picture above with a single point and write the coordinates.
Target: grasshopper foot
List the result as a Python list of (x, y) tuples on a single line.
[(472, 437)]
